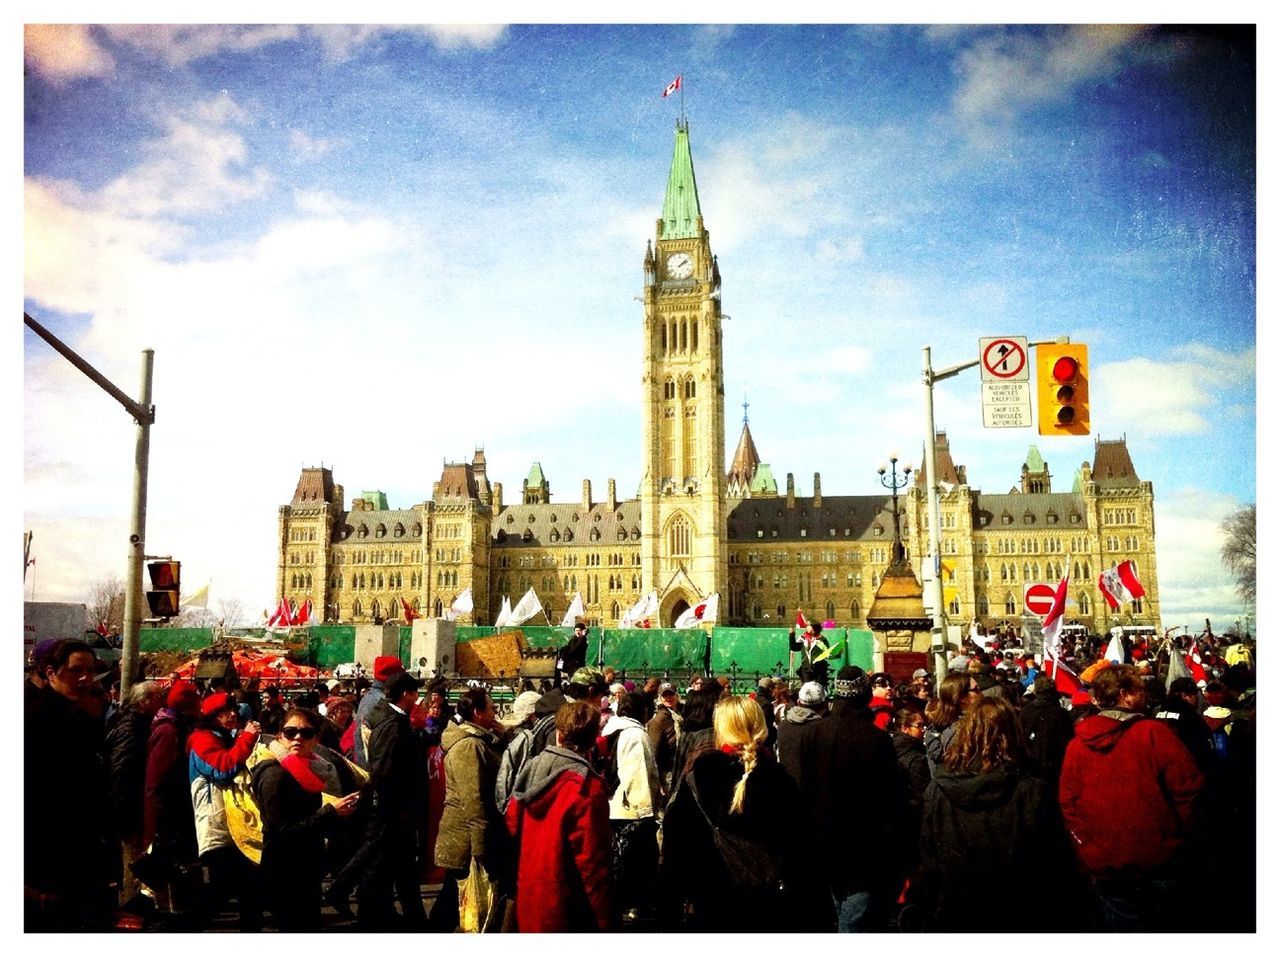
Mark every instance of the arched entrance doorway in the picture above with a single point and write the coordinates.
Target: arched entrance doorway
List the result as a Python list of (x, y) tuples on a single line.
[(674, 604)]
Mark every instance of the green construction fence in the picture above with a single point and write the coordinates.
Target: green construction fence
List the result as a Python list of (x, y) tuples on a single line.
[(745, 650)]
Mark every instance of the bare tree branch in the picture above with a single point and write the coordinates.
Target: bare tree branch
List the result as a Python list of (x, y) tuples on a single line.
[(1240, 550)]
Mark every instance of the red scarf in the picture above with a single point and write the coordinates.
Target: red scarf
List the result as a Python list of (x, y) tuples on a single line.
[(300, 768)]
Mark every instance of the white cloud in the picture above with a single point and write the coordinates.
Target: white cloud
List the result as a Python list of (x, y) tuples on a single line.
[(180, 44), (1194, 584), (308, 147), (342, 41), (1176, 397), (1004, 75), (847, 250), (63, 52)]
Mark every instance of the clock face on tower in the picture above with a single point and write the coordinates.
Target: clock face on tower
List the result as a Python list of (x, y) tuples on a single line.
[(679, 266)]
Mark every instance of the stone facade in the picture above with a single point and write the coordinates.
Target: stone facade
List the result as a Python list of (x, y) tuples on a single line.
[(698, 528)]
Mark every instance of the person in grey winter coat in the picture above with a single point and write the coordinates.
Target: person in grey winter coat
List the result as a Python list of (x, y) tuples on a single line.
[(519, 749)]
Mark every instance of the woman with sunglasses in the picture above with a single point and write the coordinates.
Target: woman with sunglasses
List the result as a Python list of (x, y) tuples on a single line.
[(295, 821)]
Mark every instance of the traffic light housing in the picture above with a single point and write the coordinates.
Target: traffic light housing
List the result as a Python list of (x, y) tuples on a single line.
[(166, 584), (1062, 389)]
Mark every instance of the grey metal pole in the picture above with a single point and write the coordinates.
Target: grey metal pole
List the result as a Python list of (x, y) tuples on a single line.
[(133, 598), (939, 635)]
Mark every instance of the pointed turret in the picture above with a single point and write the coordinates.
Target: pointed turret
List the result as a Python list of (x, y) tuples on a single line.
[(745, 461), (681, 215)]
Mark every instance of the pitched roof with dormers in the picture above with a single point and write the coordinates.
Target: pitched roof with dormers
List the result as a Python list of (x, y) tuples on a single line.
[(1027, 511), (849, 516), (553, 524), (381, 526), (1112, 466)]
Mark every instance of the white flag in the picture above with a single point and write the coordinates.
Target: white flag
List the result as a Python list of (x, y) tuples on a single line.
[(526, 608), (504, 614), (1052, 623), (646, 607), (576, 611), (463, 605), (703, 613), (1115, 650)]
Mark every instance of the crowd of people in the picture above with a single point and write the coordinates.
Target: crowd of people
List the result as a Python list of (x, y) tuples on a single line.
[(989, 801)]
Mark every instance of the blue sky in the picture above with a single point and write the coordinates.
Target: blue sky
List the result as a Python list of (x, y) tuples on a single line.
[(436, 234)]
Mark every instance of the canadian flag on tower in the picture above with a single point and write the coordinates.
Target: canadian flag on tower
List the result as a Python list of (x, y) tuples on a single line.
[(673, 85)]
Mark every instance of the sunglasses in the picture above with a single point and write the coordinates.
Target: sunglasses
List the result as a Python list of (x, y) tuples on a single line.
[(306, 734)]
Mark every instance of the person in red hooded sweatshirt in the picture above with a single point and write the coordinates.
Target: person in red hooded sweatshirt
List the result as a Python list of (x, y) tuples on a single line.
[(1128, 791), (559, 816)]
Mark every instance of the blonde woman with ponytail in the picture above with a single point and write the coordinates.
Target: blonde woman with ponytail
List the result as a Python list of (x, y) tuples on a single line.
[(727, 863)]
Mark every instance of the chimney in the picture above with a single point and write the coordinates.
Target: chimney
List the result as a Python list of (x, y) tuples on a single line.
[(791, 490), (613, 496), (339, 496), (817, 490), (497, 497), (586, 494)]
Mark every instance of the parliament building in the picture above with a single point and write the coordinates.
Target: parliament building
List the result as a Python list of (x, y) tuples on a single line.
[(700, 526)]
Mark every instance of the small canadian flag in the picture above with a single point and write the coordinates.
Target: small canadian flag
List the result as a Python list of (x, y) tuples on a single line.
[(673, 85)]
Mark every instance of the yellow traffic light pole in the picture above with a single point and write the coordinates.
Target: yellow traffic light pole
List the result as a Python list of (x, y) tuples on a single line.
[(931, 375), (144, 413)]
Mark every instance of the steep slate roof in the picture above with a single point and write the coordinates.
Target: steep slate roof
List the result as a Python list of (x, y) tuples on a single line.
[(314, 485), (745, 460), (535, 475), (1039, 505), (458, 480), (946, 464), (347, 527), (680, 210), (857, 513), (566, 518), (1112, 467), (899, 601)]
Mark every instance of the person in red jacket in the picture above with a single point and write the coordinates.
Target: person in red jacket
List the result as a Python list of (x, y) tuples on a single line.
[(1127, 790), (559, 815)]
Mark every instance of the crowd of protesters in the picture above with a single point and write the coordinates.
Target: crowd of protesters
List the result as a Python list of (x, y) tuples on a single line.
[(987, 801)]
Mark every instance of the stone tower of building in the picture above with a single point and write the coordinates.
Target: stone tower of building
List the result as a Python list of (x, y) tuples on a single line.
[(682, 488)]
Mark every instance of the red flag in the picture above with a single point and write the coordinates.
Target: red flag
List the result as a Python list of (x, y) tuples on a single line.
[(1064, 679), (409, 613), (673, 85), (102, 628), (800, 619), (304, 613)]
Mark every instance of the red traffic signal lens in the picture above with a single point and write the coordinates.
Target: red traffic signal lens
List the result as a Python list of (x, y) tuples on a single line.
[(163, 574), (1065, 368)]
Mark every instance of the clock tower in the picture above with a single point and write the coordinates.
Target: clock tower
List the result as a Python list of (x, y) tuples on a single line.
[(683, 554)]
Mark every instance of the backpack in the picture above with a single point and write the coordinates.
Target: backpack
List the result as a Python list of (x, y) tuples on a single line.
[(754, 870), (544, 731), (607, 765)]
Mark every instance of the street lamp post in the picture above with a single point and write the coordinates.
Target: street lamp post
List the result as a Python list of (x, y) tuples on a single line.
[(890, 480)]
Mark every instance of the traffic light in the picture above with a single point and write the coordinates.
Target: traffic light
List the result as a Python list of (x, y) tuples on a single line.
[(1062, 385), (165, 586)]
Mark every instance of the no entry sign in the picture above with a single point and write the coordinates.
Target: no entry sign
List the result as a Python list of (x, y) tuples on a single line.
[(1039, 599)]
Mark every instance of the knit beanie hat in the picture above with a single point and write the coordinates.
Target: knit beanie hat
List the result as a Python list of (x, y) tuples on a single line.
[(523, 706), (812, 693), (852, 682), (181, 691)]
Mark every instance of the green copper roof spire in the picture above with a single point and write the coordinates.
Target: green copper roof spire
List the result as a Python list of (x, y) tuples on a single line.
[(680, 211), (1034, 462)]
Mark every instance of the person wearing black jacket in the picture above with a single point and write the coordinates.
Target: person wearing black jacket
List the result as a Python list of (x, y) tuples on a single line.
[(1182, 713), (1048, 728), (849, 774), (295, 821), (573, 655), (128, 731), (397, 775), (987, 822)]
